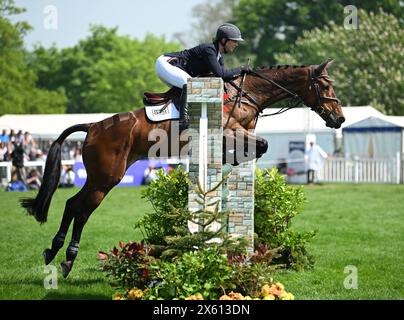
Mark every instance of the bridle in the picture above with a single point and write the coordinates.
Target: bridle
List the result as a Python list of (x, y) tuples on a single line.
[(294, 101)]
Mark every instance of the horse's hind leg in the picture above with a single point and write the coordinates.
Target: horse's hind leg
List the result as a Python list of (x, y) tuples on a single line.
[(82, 208), (59, 239)]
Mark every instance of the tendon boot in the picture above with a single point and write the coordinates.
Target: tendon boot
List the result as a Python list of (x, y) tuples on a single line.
[(183, 106)]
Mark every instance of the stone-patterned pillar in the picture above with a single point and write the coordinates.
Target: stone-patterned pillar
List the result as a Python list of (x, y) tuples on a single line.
[(205, 99), (240, 201)]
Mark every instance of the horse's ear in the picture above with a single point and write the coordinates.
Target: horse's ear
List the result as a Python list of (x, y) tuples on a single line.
[(325, 65)]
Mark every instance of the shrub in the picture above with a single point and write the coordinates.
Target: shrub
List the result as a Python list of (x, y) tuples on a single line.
[(251, 274), (129, 266), (206, 272), (165, 193), (276, 204)]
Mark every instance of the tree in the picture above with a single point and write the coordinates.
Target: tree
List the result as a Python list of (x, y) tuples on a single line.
[(369, 68), (207, 18), (272, 26), (105, 72), (18, 91)]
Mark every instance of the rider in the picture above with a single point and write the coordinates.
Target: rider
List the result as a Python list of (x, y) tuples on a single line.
[(175, 68)]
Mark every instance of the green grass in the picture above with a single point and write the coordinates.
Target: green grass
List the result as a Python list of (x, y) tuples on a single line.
[(22, 241), (359, 225)]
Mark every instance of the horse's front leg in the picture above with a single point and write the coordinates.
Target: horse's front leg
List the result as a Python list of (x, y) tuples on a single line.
[(241, 146)]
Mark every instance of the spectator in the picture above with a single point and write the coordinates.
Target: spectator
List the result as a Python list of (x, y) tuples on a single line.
[(282, 166), (149, 175), (34, 180), (40, 155), (29, 146), (77, 156), (4, 137), (315, 157), (3, 151), (17, 157), (20, 137), (11, 137), (67, 177)]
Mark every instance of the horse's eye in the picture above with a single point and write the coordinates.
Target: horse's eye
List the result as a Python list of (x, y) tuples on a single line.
[(325, 88)]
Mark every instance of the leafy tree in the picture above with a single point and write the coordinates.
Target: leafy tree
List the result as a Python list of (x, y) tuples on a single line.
[(272, 26), (18, 91), (369, 68), (207, 17), (105, 72)]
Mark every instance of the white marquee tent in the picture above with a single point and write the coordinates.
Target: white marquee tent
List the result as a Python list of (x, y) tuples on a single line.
[(302, 124), (49, 126)]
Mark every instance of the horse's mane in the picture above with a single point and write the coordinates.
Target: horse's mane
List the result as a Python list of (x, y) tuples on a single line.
[(282, 66), (290, 66)]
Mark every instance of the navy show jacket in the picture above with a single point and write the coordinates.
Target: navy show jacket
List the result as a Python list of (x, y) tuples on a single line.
[(201, 60)]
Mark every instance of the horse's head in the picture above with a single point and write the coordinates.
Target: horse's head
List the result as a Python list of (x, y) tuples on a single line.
[(321, 98)]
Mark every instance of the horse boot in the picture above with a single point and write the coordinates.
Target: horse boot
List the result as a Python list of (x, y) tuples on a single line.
[(71, 254), (57, 244), (184, 117)]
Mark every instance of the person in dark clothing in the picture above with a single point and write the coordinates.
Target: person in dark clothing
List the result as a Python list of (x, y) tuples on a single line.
[(175, 68), (17, 157)]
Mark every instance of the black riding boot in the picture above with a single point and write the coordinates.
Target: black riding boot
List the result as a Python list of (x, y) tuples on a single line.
[(184, 118)]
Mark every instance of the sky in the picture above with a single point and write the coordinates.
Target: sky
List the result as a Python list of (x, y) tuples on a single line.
[(65, 22)]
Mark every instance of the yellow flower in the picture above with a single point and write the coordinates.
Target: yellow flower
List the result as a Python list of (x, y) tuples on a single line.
[(269, 297), (277, 289), (288, 296), (279, 286), (236, 296), (197, 296), (118, 296), (266, 290), (135, 294), (225, 297)]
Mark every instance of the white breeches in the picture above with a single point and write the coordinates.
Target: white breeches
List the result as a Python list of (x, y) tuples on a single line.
[(170, 75)]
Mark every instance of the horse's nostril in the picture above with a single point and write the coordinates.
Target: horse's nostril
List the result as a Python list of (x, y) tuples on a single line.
[(341, 120)]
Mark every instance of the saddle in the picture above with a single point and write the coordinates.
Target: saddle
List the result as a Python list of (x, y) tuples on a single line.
[(162, 99)]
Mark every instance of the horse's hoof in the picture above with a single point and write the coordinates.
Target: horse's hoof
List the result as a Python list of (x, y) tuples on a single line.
[(66, 267), (48, 256)]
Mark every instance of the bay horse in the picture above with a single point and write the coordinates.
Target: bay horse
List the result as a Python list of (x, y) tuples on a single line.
[(114, 144)]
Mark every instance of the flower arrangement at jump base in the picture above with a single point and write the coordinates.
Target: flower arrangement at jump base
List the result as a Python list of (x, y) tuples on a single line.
[(274, 292), (171, 263), (198, 275)]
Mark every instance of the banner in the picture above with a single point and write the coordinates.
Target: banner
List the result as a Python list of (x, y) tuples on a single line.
[(134, 176)]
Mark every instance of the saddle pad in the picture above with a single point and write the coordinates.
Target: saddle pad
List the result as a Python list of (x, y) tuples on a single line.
[(160, 113)]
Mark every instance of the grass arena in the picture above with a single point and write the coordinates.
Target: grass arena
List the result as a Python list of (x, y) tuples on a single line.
[(358, 225)]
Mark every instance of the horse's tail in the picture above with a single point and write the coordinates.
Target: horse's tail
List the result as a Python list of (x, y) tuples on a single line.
[(38, 207)]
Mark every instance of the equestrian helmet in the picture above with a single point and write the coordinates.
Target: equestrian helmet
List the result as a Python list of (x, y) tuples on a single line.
[(228, 31)]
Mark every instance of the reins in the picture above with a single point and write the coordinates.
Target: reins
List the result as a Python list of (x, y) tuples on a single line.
[(291, 104)]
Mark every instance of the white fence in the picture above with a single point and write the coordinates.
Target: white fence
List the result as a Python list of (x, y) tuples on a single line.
[(355, 170), (359, 170)]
